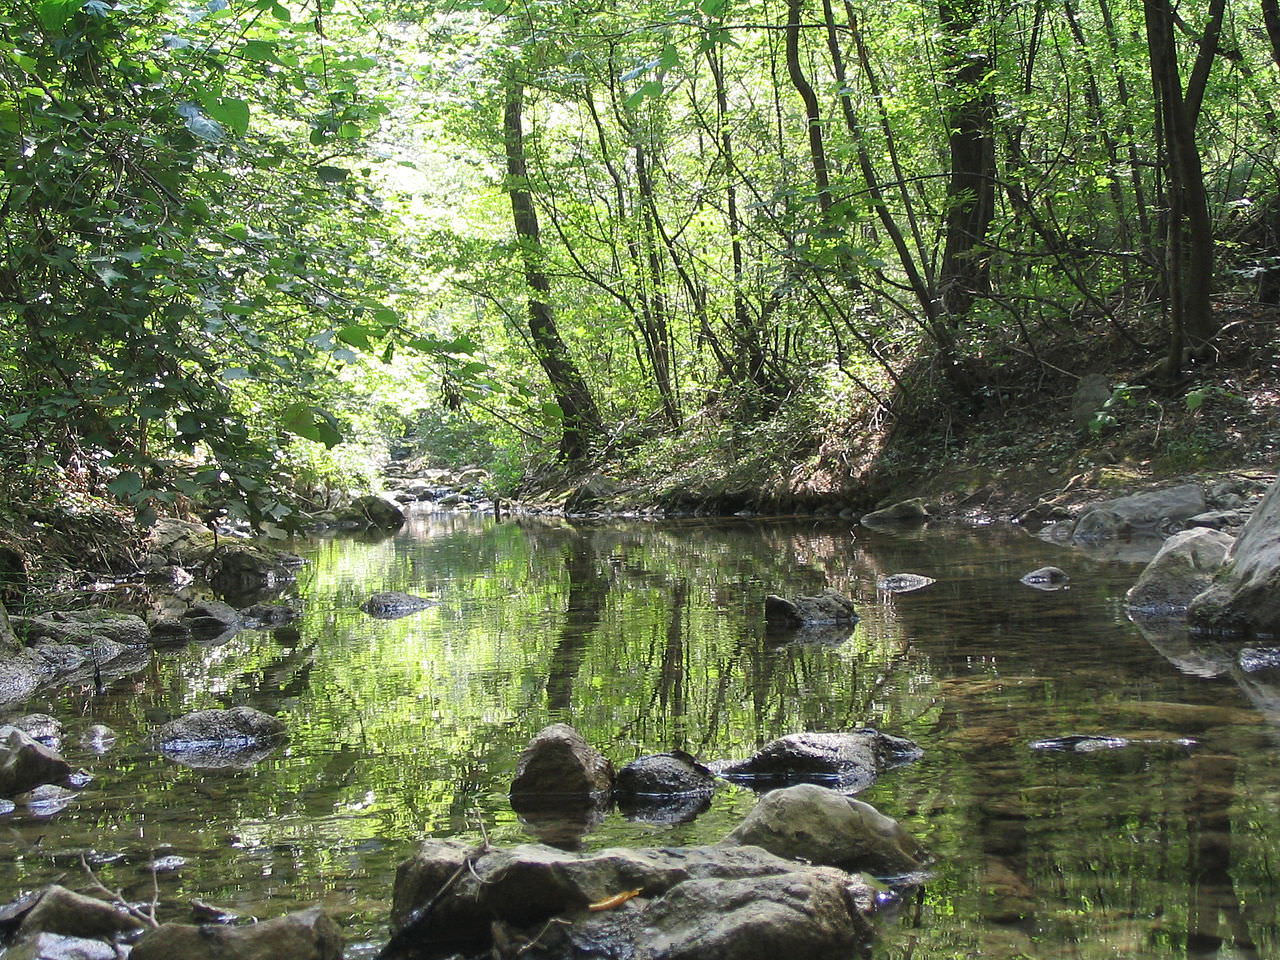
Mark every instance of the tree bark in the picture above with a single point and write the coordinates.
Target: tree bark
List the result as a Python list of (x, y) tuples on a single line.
[(581, 420), (813, 116)]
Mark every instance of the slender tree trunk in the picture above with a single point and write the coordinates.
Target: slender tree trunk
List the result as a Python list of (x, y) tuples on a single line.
[(1189, 248), (813, 115), (970, 117), (581, 420)]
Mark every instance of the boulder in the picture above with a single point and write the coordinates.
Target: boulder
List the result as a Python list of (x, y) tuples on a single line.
[(449, 893), (1045, 578), (802, 914), (372, 511), (1091, 395), (594, 492), (19, 676), (828, 607), (55, 946), (27, 763), (83, 627), (207, 619), (851, 761), (1183, 568), (665, 774), (825, 827), (100, 738), (62, 911), (40, 726), (1244, 597), (221, 739), (906, 511), (306, 935), (269, 614), (1157, 513), (1257, 659), (393, 605), (179, 542), (240, 567), (559, 763)]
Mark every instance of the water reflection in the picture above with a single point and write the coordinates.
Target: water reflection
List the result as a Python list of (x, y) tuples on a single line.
[(650, 638)]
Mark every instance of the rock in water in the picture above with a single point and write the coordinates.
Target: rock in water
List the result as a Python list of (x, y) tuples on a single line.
[(62, 911), (1160, 512), (307, 935), (665, 774), (232, 739), (903, 583), (559, 763), (850, 761), (1046, 578), (905, 512), (393, 605), (1183, 568), (26, 763), (825, 827), (828, 607), (373, 511), (1245, 595)]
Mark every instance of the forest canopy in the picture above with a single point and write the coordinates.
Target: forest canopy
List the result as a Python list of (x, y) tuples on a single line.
[(249, 244)]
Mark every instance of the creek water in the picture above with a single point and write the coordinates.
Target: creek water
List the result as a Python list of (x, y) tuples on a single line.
[(649, 636)]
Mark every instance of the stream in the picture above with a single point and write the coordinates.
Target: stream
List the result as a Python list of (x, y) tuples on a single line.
[(649, 636)]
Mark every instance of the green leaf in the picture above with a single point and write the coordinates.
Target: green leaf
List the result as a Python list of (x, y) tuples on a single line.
[(332, 174), (311, 423), (229, 111), (260, 50), (356, 336), (127, 484), (651, 89), (54, 14)]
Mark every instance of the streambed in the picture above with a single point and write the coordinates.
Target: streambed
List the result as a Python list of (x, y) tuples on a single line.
[(649, 636)]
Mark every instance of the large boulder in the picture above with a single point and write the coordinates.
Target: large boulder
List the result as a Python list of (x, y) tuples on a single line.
[(1157, 513), (179, 542), (20, 675), (828, 607), (238, 567), (1183, 568), (56, 909), (1091, 395), (451, 894), (665, 774), (559, 763), (306, 935), (850, 761), (823, 826), (26, 763), (903, 512), (1245, 595), (221, 739), (372, 511), (209, 619)]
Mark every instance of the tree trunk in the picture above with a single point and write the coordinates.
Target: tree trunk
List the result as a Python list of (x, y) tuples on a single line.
[(970, 116), (813, 116), (581, 420), (1189, 232)]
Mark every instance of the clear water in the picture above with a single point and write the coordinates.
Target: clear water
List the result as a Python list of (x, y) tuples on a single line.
[(650, 636)]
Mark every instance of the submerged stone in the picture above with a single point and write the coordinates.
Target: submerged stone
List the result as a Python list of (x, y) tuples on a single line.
[(392, 605), (851, 761), (827, 607), (903, 583)]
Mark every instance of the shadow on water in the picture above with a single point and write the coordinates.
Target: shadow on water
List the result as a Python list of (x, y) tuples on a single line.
[(650, 638)]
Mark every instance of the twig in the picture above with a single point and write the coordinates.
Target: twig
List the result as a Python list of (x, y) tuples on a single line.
[(117, 896)]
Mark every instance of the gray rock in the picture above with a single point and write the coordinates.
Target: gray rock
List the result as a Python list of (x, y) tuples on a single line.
[(1159, 512), (904, 583), (803, 914), (1183, 568), (557, 763), (825, 827), (269, 614), (1256, 659), (307, 935), (82, 627), (1081, 743), (62, 911), (221, 739), (665, 774), (1219, 519), (19, 676), (904, 512), (180, 542), (1046, 578), (828, 607), (99, 738), (372, 511), (59, 659), (238, 567), (46, 799), (54, 946), (1244, 597), (207, 619), (26, 763), (1091, 395), (851, 761), (392, 604), (40, 726)]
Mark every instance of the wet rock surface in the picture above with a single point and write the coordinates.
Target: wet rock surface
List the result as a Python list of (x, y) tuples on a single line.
[(902, 513), (1244, 597), (306, 935), (1159, 512), (827, 607), (221, 739), (83, 627), (55, 909), (372, 511), (665, 774), (26, 763), (392, 605), (1046, 578), (850, 761), (559, 763), (904, 583), (1184, 567), (828, 828)]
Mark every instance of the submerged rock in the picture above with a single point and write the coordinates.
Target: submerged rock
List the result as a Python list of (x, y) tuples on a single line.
[(40, 726), (1081, 743), (1183, 568), (1245, 595), (26, 763), (851, 761), (665, 774), (221, 739), (393, 605), (209, 619), (56, 909), (828, 607), (559, 763), (904, 512), (82, 627), (825, 827), (1256, 659), (100, 738), (372, 511), (56, 946), (306, 935)]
